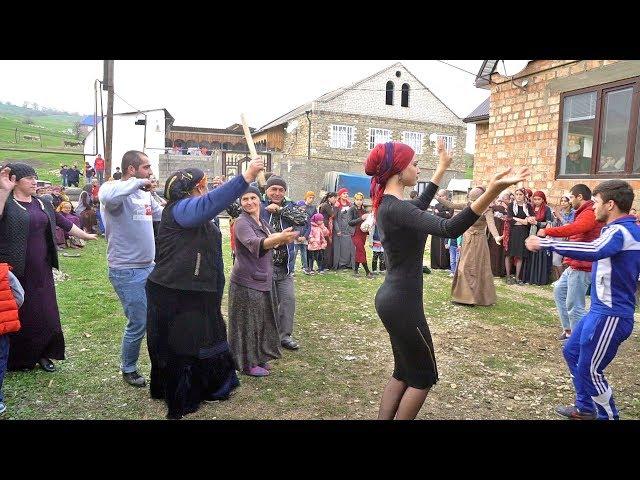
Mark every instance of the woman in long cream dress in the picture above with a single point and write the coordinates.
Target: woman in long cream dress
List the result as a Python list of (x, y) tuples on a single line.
[(473, 279)]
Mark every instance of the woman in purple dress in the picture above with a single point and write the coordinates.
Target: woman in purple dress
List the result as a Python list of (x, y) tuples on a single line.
[(63, 239), (27, 226)]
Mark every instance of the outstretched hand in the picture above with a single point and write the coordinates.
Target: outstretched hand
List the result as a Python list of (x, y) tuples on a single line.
[(532, 243), (446, 157), (508, 177), (7, 181)]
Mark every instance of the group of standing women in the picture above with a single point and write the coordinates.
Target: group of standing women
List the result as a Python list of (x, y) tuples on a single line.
[(524, 216)]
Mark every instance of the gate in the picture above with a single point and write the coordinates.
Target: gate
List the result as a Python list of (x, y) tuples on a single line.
[(235, 163)]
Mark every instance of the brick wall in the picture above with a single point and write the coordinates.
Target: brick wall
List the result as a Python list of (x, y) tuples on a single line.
[(523, 124)]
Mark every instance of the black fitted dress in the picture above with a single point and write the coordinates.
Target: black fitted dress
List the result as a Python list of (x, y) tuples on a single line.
[(404, 226)]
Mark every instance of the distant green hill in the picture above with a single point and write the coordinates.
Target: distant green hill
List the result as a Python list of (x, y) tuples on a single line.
[(39, 132)]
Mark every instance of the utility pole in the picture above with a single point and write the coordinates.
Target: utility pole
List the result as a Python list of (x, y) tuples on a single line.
[(107, 85)]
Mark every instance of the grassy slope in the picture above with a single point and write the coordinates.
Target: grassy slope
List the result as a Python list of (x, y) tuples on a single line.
[(46, 164), (500, 362)]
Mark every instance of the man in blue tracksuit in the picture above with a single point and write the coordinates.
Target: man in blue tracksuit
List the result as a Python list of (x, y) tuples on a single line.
[(616, 266), (281, 214)]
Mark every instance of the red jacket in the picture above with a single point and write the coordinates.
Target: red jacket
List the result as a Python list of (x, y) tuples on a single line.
[(99, 164), (584, 228), (9, 320)]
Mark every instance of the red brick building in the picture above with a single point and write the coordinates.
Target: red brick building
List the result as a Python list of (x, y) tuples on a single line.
[(570, 121)]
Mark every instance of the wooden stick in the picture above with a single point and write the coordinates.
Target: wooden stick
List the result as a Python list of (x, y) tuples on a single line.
[(262, 181)]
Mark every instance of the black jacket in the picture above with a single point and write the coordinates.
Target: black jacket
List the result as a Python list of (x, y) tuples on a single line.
[(14, 232), (185, 257)]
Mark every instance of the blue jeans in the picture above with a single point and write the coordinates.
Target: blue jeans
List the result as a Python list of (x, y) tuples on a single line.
[(100, 224), (100, 176), (453, 257), (4, 357), (129, 285), (593, 344), (570, 292), (302, 248)]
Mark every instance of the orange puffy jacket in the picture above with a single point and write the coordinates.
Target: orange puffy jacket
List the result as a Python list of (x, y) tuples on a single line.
[(9, 321)]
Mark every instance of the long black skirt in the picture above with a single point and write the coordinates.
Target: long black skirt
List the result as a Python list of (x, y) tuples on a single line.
[(439, 255), (187, 342), (536, 268)]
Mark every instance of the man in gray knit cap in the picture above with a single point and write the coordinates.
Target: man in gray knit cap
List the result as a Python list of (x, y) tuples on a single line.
[(281, 213)]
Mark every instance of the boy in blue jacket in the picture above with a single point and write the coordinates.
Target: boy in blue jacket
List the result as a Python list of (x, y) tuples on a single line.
[(616, 265)]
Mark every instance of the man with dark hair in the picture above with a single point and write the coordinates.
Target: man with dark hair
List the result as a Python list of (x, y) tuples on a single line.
[(282, 214), (128, 211), (616, 267), (118, 174), (73, 176), (413, 194), (570, 290)]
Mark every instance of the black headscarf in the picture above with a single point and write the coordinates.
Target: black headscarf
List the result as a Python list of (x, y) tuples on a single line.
[(180, 184), (21, 170)]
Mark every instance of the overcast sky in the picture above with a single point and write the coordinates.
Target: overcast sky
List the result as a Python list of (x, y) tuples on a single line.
[(213, 93)]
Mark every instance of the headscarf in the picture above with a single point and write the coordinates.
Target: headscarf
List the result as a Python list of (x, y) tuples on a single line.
[(341, 202), (541, 213), (358, 196), (384, 161), (21, 170), (524, 205), (62, 204), (317, 217), (251, 189), (180, 184)]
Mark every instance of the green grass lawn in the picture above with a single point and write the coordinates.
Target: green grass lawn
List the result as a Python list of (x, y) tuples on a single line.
[(500, 362), (49, 132)]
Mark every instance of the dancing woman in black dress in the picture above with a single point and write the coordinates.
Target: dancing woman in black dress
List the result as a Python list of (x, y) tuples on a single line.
[(404, 226)]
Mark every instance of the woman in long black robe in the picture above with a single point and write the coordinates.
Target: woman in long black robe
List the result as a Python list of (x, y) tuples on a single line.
[(439, 255)]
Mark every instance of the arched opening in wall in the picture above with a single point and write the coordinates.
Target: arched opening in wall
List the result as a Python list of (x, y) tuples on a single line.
[(178, 142), (192, 144), (405, 95), (390, 87), (215, 145)]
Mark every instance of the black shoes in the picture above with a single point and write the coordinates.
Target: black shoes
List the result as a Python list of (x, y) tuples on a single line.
[(134, 378), (47, 365), (290, 344)]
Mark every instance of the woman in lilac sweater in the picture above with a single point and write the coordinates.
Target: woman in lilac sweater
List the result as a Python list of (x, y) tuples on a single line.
[(253, 331)]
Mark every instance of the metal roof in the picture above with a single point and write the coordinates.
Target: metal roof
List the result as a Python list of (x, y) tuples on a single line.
[(480, 113)]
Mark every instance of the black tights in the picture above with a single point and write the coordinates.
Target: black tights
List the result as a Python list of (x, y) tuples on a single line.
[(374, 261), (364, 265)]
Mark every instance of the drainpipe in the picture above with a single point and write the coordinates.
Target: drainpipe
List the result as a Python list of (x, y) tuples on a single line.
[(309, 140)]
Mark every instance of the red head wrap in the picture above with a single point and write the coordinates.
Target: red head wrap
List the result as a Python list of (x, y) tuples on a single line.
[(384, 161), (540, 214), (339, 201)]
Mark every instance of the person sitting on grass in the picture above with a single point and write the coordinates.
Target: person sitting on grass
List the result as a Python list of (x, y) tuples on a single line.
[(64, 239)]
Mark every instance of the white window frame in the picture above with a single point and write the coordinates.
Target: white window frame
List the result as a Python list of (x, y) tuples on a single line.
[(449, 142), (378, 135), (341, 136), (414, 140)]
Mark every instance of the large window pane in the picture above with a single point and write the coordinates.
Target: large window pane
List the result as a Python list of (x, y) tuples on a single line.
[(614, 132), (578, 124)]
